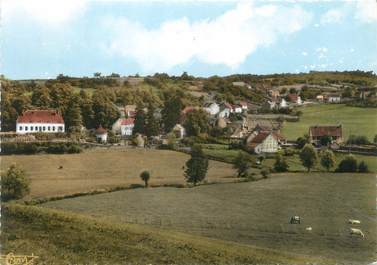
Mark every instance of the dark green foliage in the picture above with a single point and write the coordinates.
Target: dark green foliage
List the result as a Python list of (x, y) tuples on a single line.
[(358, 139), (72, 115), (308, 156), (140, 122), (196, 123), (327, 159), (86, 107), (145, 176), (363, 167), (243, 162), (196, 166), (12, 148), (105, 111), (280, 164), (152, 125), (265, 172), (301, 142), (325, 140), (14, 184), (375, 139), (171, 113), (348, 164), (41, 97)]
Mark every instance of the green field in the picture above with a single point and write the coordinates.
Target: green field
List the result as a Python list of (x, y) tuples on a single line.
[(358, 121), (107, 168), (254, 213)]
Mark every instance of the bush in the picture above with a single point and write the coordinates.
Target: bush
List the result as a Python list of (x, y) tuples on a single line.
[(348, 164), (358, 139), (74, 149), (14, 184), (265, 172), (280, 164), (363, 167)]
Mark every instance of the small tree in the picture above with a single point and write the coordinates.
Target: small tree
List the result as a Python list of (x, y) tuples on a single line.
[(301, 142), (308, 156), (196, 166), (242, 163), (348, 164), (145, 176), (265, 172), (325, 140), (14, 184), (327, 159), (363, 167), (280, 164)]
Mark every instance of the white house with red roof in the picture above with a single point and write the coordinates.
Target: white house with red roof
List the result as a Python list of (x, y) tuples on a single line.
[(101, 134), (260, 141), (127, 126), (40, 121)]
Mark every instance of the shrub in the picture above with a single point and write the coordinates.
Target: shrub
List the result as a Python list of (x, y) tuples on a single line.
[(74, 149), (14, 184), (308, 156), (358, 139), (145, 176), (280, 164), (327, 159), (363, 167), (348, 164), (242, 163), (265, 172)]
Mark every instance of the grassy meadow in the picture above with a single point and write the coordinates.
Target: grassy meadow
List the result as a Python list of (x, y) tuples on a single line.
[(106, 168), (357, 121), (254, 213)]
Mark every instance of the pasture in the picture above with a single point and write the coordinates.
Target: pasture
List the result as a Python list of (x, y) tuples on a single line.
[(357, 121), (254, 213), (106, 168)]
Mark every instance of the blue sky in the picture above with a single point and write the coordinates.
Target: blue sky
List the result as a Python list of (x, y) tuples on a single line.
[(43, 38)]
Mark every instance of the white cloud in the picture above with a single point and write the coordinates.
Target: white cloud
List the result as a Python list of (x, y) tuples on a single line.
[(304, 53), (321, 52), (332, 16), (366, 11), (227, 39), (46, 12)]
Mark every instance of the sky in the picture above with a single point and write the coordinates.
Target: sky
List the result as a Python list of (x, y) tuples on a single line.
[(45, 38)]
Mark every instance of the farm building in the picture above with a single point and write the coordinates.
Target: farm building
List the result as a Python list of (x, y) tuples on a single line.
[(294, 98), (101, 134), (179, 131), (317, 132), (333, 98), (212, 108), (263, 142), (127, 126), (41, 121)]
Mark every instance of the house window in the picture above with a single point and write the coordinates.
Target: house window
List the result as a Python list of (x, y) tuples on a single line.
[(44, 128), (26, 128), (53, 128), (36, 128), (31, 128), (40, 128), (60, 128), (48, 128), (20, 128)]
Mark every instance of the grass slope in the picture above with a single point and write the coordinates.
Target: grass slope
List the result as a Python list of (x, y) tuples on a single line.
[(358, 121), (104, 168), (255, 213), (61, 238)]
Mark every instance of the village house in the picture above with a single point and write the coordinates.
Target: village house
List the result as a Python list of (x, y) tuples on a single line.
[(212, 108), (294, 98), (317, 132), (320, 98), (244, 105), (179, 131), (40, 121), (127, 126), (130, 111), (101, 134), (333, 98), (274, 93), (263, 142)]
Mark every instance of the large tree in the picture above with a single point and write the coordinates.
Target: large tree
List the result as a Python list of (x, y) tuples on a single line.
[(14, 184), (41, 97), (280, 164), (196, 166), (327, 159), (171, 113), (243, 163), (308, 156), (72, 115), (140, 121), (86, 106), (196, 122), (152, 125), (105, 111)]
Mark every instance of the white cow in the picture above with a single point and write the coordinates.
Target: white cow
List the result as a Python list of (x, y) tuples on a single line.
[(354, 222), (356, 231), (309, 228)]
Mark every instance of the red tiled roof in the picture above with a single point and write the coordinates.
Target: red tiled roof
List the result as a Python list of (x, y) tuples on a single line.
[(128, 121), (243, 103), (189, 109), (40, 116), (292, 97), (331, 130), (101, 130), (260, 137)]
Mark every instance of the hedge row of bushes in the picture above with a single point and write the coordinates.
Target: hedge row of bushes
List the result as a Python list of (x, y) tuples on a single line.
[(34, 148)]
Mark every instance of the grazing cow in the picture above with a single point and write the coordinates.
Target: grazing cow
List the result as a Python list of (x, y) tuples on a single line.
[(295, 220), (60, 167), (354, 222), (309, 228), (356, 231)]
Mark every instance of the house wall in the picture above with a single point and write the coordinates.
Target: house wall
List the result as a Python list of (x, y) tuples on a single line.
[(22, 128), (102, 137), (334, 99), (269, 145), (126, 130)]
